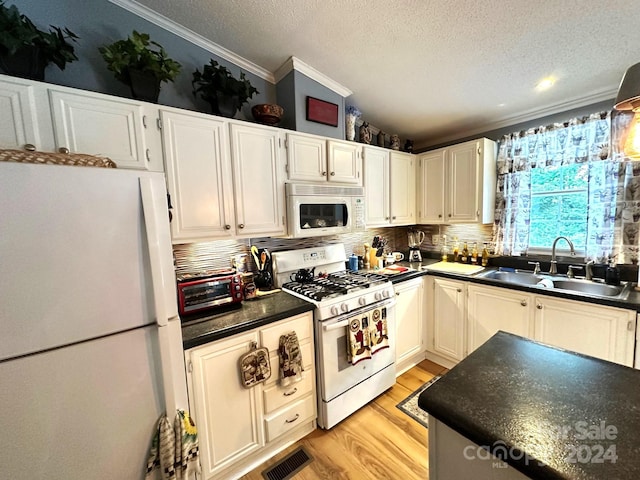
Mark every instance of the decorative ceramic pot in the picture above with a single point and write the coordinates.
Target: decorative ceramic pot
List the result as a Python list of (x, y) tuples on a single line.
[(27, 62), (225, 106), (145, 86), (267, 113), (350, 125), (395, 142)]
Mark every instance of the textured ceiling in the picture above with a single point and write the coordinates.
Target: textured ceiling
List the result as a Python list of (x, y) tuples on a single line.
[(433, 70)]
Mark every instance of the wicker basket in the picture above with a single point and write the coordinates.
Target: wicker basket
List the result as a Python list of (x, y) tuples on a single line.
[(51, 158)]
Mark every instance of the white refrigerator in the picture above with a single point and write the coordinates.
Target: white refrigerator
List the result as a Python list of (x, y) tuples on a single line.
[(90, 339)]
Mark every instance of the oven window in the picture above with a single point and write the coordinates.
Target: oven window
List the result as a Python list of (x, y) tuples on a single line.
[(323, 215), (206, 292)]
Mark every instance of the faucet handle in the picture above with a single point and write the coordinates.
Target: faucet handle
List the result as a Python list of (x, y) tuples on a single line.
[(572, 268), (536, 269)]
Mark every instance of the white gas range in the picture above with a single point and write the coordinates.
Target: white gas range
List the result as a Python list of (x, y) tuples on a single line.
[(354, 327)]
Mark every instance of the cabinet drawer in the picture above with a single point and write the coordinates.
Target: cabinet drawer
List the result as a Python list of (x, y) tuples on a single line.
[(299, 412), (270, 335), (276, 396), (307, 360)]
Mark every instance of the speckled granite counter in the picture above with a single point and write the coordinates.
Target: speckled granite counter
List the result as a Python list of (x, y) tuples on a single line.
[(249, 315), (542, 400)]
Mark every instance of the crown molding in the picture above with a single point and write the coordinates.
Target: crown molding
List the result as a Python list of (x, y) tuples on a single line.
[(189, 35), (533, 114), (294, 63)]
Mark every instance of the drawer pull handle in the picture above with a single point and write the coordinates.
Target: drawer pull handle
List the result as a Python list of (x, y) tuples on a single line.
[(294, 418), (287, 394), (523, 303)]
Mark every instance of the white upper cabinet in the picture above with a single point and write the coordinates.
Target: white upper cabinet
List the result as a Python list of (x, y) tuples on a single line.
[(457, 183), (402, 176), (258, 180), (316, 159), (376, 186), (199, 177), (344, 161), (389, 181), (96, 124), (18, 115)]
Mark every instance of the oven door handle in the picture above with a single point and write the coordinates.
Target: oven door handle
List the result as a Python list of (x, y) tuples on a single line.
[(335, 326)]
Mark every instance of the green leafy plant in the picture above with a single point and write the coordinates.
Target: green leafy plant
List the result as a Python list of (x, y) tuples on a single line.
[(18, 31), (136, 53), (216, 80)]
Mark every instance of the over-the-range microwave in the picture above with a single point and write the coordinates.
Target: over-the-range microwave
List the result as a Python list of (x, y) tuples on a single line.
[(314, 210)]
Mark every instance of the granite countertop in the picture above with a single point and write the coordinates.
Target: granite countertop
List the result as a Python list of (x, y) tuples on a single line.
[(249, 315), (559, 408), (631, 302)]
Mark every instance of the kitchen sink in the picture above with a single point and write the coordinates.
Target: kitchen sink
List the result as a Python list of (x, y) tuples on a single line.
[(574, 285), (520, 278), (585, 286)]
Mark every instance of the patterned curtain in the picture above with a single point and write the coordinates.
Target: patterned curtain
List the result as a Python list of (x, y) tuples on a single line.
[(580, 141), (627, 211)]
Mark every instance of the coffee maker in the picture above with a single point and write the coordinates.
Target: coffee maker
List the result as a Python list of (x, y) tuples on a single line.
[(415, 238)]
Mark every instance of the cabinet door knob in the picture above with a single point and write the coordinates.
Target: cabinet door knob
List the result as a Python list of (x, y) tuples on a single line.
[(458, 290), (227, 227), (63, 150), (324, 174), (449, 215), (523, 303), (241, 225), (539, 307), (386, 218), (333, 174), (394, 217), (439, 215), (30, 147)]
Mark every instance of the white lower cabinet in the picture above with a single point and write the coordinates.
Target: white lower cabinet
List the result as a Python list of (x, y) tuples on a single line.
[(446, 319), (239, 428), (410, 328), (602, 332), (492, 309)]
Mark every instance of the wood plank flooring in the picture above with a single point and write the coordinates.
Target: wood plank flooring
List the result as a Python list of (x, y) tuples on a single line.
[(377, 442)]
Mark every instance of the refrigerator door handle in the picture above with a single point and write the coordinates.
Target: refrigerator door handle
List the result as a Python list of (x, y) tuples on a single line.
[(156, 223)]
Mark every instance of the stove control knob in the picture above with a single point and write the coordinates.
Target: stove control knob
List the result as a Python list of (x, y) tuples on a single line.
[(362, 301), (334, 310), (378, 296), (344, 307), (385, 294)]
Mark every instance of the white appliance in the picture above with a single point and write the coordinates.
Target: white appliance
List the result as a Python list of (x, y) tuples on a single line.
[(315, 210), (340, 297), (90, 341)]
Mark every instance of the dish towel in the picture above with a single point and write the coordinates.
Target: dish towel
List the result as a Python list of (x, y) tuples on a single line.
[(359, 339), (187, 448), (163, 451), (174, 449), (290, 359), (378, 331)]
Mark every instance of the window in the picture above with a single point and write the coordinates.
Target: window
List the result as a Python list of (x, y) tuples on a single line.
[(559, 203)]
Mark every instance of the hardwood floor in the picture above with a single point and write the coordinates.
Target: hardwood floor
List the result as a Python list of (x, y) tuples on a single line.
[(376, 442)]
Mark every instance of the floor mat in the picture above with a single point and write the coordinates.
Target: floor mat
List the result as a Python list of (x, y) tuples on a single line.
[(289, 465), (410, 404)]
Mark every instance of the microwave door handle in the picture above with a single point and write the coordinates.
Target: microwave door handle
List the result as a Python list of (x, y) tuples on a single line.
[(335, 326)]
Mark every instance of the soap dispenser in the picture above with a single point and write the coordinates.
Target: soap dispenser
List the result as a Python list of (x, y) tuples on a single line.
[(612, 274)]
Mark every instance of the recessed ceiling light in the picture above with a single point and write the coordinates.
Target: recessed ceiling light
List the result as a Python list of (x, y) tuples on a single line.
[(545, 83), (501, 105)]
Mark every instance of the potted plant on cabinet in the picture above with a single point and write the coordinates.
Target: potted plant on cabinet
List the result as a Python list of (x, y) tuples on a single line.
[(137, 65), (25, 50), (225, 93)]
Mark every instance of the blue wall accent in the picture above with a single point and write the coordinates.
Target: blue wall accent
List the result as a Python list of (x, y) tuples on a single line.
[(99, 22), (305, 86), (285, 89)]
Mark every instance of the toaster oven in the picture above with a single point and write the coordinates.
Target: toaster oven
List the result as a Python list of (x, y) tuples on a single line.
[(207, 293)]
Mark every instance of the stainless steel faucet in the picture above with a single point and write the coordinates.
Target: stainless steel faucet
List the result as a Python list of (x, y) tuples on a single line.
[(588, 267), (553, 269)]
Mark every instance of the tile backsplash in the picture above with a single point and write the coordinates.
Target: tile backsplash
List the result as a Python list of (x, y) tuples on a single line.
[(196, 257)]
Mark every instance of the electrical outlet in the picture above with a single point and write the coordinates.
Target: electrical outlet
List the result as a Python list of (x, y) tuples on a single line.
[(435, 239)]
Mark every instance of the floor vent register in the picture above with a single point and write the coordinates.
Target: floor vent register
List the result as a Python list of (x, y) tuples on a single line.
[(289, 465)]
